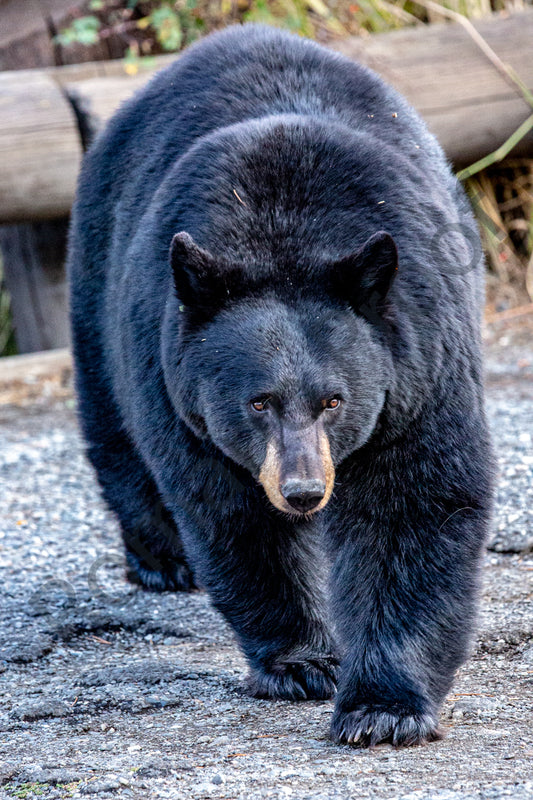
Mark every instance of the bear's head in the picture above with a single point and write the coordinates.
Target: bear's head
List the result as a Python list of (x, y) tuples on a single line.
[(286, 380)]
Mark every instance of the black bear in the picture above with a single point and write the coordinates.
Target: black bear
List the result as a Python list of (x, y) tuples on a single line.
[(276, 294)]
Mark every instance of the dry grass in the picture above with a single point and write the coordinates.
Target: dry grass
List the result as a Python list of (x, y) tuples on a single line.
[(503, 200)]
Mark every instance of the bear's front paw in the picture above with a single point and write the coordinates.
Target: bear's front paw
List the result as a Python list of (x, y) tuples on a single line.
[(174, 576), (312, 678), (369, 725)]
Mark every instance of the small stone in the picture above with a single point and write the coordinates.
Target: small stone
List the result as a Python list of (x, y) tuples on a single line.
[(527, 655), (99, 787)]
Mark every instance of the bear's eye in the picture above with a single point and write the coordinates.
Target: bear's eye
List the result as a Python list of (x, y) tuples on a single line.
[(331, 404), (260, 404)]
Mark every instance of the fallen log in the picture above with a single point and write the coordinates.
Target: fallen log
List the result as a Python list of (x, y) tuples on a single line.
[(34, 367), (40, 147), (465, 100)]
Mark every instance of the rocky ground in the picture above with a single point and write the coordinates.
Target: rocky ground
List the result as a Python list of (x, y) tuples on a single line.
[(112, 692)]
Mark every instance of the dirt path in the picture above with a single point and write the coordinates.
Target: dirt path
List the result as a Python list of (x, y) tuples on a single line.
[(113, 692)]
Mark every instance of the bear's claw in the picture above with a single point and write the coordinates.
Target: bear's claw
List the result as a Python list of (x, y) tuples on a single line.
[(313, 678), (368, 726)]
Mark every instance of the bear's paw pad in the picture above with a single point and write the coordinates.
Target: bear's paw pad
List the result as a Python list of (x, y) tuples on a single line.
[(367, 726), (313, 678)]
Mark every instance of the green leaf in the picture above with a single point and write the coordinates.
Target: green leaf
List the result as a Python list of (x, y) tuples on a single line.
[(83, 30), (167, 26), (65, 38)]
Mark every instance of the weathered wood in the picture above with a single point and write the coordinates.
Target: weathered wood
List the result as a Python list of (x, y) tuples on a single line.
[(95, 100), (74, 73), (34, 256), (40, 149), (466, 102), (25, 31)]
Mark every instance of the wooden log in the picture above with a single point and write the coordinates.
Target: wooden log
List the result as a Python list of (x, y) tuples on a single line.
[(76, 73), (95, 100), (40, 148), (466, 102), (33, 253), (34, 367)]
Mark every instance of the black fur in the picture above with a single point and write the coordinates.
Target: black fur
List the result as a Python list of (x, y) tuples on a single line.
[(276, 162)]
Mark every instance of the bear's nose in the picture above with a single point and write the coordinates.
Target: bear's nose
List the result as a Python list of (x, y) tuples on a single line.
[(303, 495)]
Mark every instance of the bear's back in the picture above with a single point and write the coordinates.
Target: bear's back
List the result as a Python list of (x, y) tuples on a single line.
[(239, 74)]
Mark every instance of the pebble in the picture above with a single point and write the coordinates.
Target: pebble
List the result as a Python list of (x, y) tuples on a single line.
[(99, 787)]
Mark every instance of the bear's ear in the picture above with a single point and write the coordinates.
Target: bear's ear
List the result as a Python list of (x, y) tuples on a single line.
[(195, 273), (365, 277)]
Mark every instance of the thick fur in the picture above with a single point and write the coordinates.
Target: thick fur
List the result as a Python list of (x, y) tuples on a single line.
[(278, 163)]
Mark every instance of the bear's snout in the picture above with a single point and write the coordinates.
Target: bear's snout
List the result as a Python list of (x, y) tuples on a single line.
[(297, 473)]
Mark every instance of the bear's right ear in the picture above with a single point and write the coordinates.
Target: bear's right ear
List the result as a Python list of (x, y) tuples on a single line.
[(365, 277), (195, 273)]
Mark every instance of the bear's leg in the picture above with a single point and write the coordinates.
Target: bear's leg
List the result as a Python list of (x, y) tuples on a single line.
[(266, 575), (408, 543), (271, 595), (154, 551)]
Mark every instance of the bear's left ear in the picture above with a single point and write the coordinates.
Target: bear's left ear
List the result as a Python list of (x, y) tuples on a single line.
[(194, 271), (365, 277)]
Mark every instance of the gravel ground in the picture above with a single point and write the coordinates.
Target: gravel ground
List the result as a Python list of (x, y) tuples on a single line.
[(112, 692)]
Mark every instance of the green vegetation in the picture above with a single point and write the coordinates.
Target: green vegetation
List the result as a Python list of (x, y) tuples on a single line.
[(24, 790), (29, 790)]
